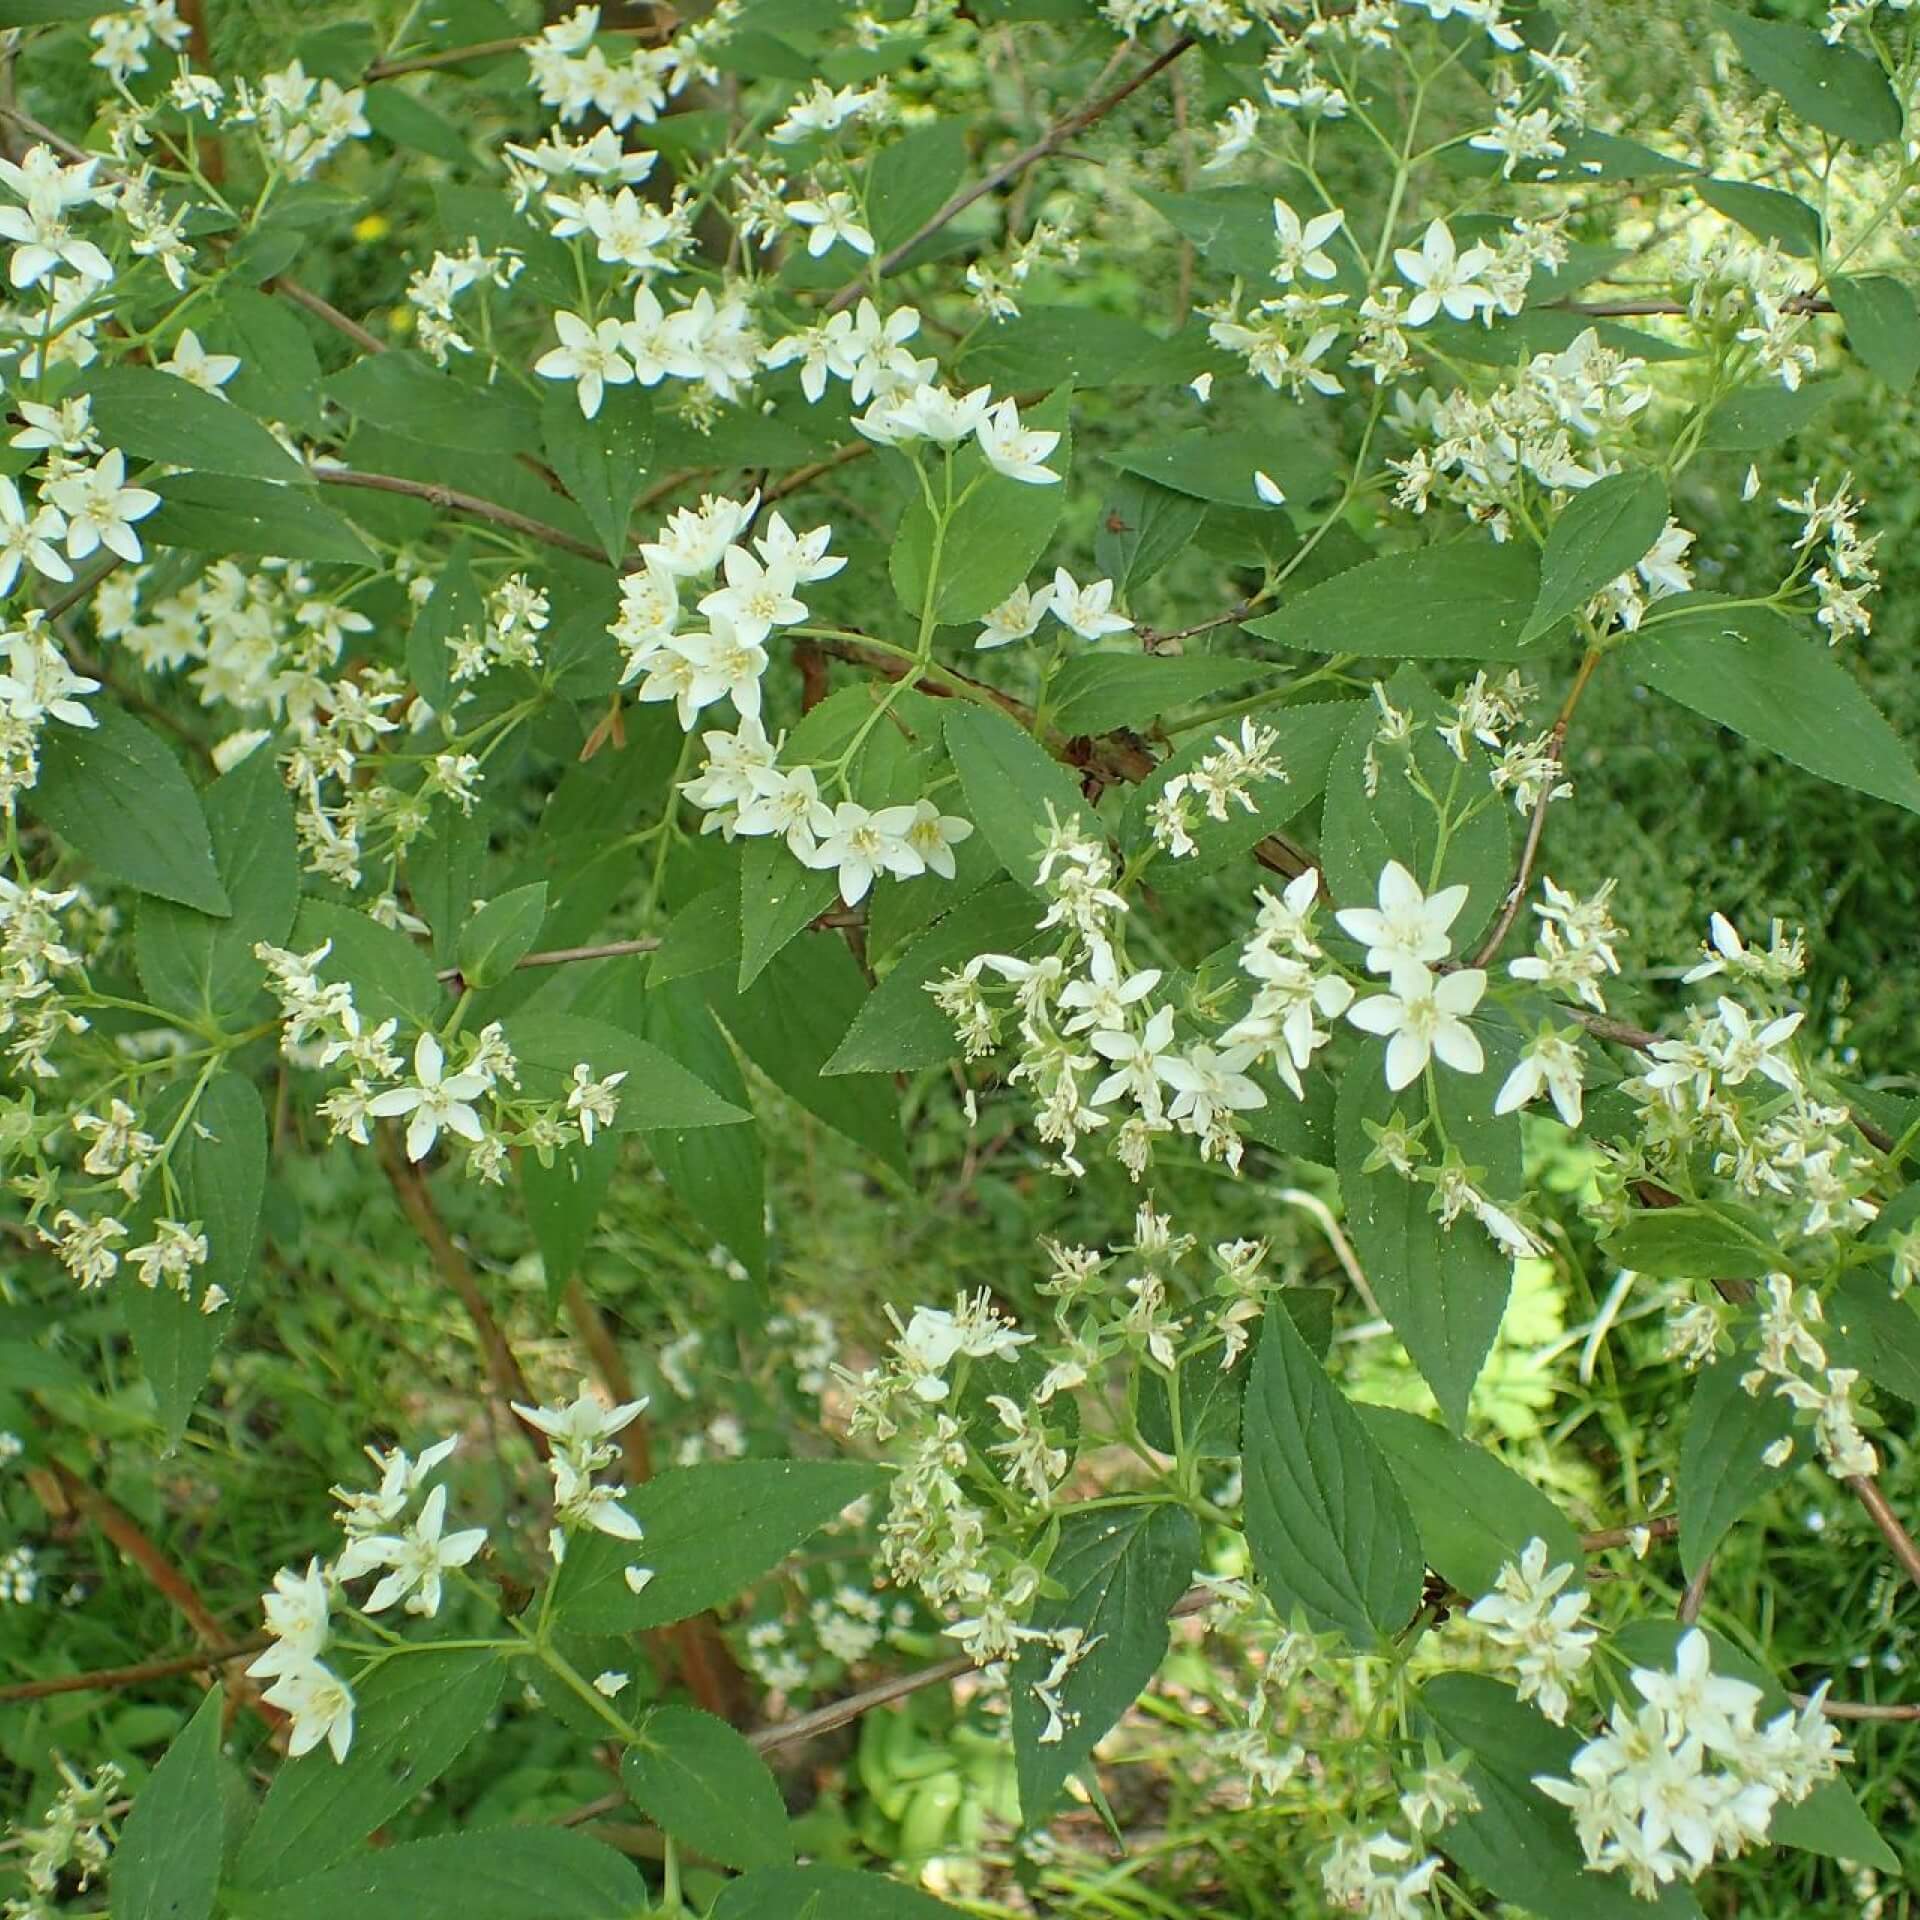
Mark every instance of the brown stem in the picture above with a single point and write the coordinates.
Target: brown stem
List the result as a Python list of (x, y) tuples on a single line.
[(1529, 853), (492, 49), (1062, 130), (327, 311), (102, 1679), (1627, 309), (503, 1368), (1662, 1527), (1695, 1596), (1859, 1709), (566, 956), (452, 501), (1868, 1493)]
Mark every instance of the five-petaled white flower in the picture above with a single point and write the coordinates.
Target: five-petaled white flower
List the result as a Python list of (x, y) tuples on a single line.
[(38, 684), (863, 843), (433, 1100), (415, 1559), (1444, 279), (321, 1706), (593, 1102), (1423, 1017), (1015, 617), (584, 1423), (833, 217), (1301, 242), (1407, 924), (592, 357), (192, 363), (1552, 1064), (101, 508), (1014, 450), (1087, 610)]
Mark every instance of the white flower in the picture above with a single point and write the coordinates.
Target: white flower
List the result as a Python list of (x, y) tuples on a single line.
[(786, 803), (1445, 280), (29, 539), (1407, 925), (1015, 617), (1552, 1064), (1087, 610), (585, 1423), (834, 217), (322, 1708), (593, 1102), (101, 508), (863, 843), (1014, 450), (932, 836), (1301, 242), (1207, 1084), (590, 356), (757, 598), (1537, 1627), (38, 683), (192, 363), (1423, 1018), (296, 1614), (416, 1558), (434, 1100)]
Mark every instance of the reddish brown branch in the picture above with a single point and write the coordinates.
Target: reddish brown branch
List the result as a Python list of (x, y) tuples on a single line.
[(327, 311), (452, 501), (104, 1679), (1868, 1493)]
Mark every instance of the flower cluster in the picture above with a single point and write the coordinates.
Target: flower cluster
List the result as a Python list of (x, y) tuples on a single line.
[(1533, 1627), (582, 1435), (73, 1843), (1687, 1778)]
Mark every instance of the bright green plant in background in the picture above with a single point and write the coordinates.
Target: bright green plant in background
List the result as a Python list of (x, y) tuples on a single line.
[(577, 580)]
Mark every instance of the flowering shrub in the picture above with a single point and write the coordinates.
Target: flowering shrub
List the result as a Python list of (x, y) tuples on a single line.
[(755, 587)]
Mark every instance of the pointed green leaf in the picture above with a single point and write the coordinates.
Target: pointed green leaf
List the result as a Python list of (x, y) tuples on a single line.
[(500, 935), (1723, 1469), (702, 1783), (1011, 783), (602, 460), (1831, 87), (1883, 325), (159, 416), (1605, 531), (167, 1865)]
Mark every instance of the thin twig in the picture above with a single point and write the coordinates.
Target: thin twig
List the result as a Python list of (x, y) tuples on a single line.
[(566, 956), (1062, 130), (1868, 1493), (1629, 309), (1859, 1709), (327, 311), (503, 1367), (1695, 1596), (1529, 853), (1661, 1527), (493, 49), (452, 501), (103, 1679), (66, 602)]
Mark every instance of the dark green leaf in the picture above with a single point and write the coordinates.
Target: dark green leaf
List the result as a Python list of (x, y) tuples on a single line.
[(1883, 325), (203, 967), (116, 795), (1219, 465), (1081, 347), (779, 899), (1327, 1526), (711, 1532), (602, 459), (563, 1202), (702, 1783), (219, 513), (1210, 1397), (1011, 784), (1467, 599), (406, 122), (1231, 226), (1444, 1288), (412, 1719), (455, 607), (657, 1092), (1751, 419), (1121, 1569), (167, 1865), (1142, 526), (1766, 213), (1750, 669), (220, 1162), (1683, 1243), (1831, 87), (391, 977), (515, 1873), (1876, 1333), (279, 373), (500, 935), (1722, 1472), (1099, 691), (401, 393), (909, 182), (1474, 1513), (159, 416), (1605, 531), (825, 1893)]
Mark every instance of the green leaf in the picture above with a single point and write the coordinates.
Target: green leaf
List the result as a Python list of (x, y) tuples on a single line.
[(1327, 1526), (711, 1531), (1606, 530), (1831, 87), (454, 607), (779, 900), (167, 1865), (603, 459), (401, 393), (825, 1893), (1722, 1473), (1011, 783), (1084, 347), (116, 795), (1876, 1333), (910, 181), (413, 1717), (159, 416), (1231, 226), (1143, 525), (1520, 1843), (515, 1873), (1443, 1288), (1219, 465), (1766, 213), (1210, 1398), (1683, 1243), (279, 373), (898, 1026), (1099, 691), (994, 536), (1751, 419), (1120, 1569), (1829, 1821), (702, 1783), (1750, 669), (220, 1163), (220, 513), (1883, 325), (657, 1092), (1473, 1512), (203, 967), (1466, 599), (403, 121), (391, 977), (563, 1204), (500, 935)]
